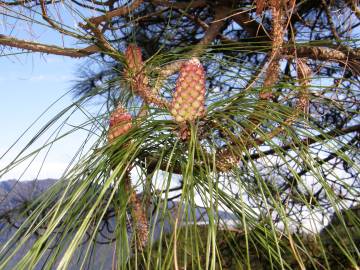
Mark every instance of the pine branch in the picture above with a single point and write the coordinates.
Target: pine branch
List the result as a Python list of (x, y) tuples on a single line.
[(50, 49)]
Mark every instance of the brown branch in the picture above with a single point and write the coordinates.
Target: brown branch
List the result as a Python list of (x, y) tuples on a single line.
[(149, 16), (213, 30), (205, 26), (252, 27), (349, 58), (319, 53), (50, 49), (55, 25), (178, 5), (101, 42), (95, 21)]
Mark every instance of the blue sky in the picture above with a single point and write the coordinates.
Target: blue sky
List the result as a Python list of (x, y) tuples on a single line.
[(31, 82)]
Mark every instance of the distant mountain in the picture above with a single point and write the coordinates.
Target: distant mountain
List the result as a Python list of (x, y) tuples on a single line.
[(13, 193)]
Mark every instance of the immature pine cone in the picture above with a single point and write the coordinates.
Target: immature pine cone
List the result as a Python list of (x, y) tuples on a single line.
[(134, 72), (189, 98), (133, 58), (120, 123), (226, 160), (135, 75)]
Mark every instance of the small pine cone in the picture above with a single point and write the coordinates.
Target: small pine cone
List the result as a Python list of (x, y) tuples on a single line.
[(138, 214), (304, 75), (137, 78), (133, 71), (189, 98), (133, 58), (120, 123), (303, 71), (141, 227), (226, 160)]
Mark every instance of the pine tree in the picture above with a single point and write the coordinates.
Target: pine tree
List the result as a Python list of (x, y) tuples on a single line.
[(226, 130)]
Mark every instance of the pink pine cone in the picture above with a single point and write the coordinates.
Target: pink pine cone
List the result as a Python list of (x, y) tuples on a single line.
[(120, 123), (188, 101), (134, 62)]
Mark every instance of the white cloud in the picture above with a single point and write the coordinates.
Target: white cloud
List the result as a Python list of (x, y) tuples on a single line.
[(39, 78)]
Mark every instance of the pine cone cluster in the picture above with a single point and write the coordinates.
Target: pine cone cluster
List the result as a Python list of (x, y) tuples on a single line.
[(120, 123), (188, 101)]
